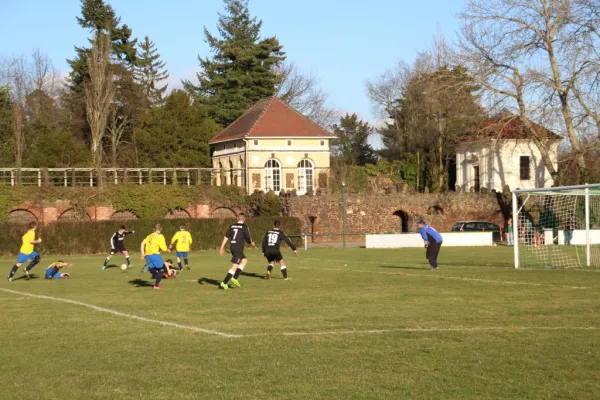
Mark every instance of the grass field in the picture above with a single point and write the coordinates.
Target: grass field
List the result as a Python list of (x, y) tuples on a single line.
[(352, 324)]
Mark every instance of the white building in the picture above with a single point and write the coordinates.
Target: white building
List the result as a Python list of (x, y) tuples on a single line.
[(500, 152)]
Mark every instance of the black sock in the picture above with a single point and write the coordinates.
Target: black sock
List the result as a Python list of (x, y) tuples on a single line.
[(106, 261), (31, 265), (185, 260), (13, 271), (179, 264), (128, 261), (269, 268), (227, 278), (158, 277), (238, 272), (284, 272)]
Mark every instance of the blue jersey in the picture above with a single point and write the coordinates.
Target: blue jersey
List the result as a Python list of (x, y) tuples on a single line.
[(430, 235)]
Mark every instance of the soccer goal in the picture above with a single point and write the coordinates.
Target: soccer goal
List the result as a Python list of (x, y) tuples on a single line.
[(557, 227)]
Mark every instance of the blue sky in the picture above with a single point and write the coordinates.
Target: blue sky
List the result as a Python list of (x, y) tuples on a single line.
[(342, 42)]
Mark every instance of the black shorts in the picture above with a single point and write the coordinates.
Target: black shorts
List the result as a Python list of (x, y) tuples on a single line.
[(274, 257), (237, 257), (117, 250), (433, 250)]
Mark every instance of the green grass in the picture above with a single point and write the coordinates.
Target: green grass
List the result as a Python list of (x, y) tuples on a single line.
[(55, 350)]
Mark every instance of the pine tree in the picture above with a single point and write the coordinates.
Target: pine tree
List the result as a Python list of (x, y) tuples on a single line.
[(242, 70), (352, 144), (98, 16), (150, 71)]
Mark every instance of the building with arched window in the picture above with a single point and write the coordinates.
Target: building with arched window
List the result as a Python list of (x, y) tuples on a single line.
[(272, 147)]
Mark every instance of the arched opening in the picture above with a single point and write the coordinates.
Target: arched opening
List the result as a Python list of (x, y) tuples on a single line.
[(222, 175), (123, 215), (21, 217), (306, 175), (435, 210), (272, 175), (74, 215), (178, 213), (223, 213), (232, 177), (403, 220), (242, 172)]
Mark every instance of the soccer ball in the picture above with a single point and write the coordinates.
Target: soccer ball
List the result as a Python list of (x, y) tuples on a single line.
[(173, 274), (123, 267)]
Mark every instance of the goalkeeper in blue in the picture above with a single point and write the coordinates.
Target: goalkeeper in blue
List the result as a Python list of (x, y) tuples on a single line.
[(433, 243)]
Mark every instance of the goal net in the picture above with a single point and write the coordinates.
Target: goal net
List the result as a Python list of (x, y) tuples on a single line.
[(557, 227)]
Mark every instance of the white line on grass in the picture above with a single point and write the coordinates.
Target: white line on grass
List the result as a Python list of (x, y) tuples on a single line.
[(433, 275), (324, 333), (120, 314)]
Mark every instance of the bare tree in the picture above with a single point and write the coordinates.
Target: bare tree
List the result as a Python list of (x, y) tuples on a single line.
[(99, 92), (116, 129), (302, 93), (494, 51)]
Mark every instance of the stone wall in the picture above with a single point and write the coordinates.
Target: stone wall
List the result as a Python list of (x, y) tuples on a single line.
[(392, 213)]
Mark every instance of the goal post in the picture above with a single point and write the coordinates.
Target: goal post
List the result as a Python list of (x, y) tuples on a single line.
[(557, 227)]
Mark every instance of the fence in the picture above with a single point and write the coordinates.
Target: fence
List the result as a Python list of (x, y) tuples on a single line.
[(89, 176)]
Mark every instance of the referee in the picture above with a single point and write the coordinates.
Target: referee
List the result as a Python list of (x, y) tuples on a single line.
[(433, 243)]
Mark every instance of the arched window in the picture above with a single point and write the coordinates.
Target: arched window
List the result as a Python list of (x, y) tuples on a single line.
[(272, 176), (242, 171), (305, 176), (232, 180)]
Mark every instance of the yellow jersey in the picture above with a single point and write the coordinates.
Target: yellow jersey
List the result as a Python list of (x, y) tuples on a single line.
[(183, 239), (154, 244), (27, 246)]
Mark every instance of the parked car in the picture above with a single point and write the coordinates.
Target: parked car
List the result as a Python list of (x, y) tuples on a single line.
[(477, 226)]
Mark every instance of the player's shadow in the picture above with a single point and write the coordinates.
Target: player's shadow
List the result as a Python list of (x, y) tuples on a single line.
[(111, 266), (209, 281), (253, 275), (31, 276), (140, 283), (401, 267)]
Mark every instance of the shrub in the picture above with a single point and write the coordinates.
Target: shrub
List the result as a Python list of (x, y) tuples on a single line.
[(67, 238)]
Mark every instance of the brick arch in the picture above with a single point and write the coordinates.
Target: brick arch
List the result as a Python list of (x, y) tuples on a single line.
[(223, 212), (404, 220), (178, 213), (74, 215), (123, 215), (21, 217)]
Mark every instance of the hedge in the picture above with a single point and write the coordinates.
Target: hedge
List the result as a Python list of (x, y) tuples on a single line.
[(68, 238)]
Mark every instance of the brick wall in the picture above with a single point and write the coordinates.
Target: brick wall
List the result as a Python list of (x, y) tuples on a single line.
[(393, 213)]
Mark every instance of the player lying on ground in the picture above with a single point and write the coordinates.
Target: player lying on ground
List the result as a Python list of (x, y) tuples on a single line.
[(53, 271), (150, 249), (166, 271), (238, 235), (433, 243), (184, 242), (26, 253), (271, 248), (117, 245)]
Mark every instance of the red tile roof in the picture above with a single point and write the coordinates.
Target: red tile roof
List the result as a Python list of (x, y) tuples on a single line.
[(270, 117), (508, 127)]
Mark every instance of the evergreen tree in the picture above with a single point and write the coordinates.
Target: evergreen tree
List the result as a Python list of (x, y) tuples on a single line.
[(352, 144), (6, 150), (242, 70), (150, 71), (98, 16), (177, 134)]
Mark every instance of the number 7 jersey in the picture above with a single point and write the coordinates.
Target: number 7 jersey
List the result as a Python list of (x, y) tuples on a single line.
[(238, 235)]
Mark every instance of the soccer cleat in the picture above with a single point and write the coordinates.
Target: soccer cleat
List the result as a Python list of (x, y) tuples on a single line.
[(224, 286), (26, 274), (268, 275), (10, 279), (130, 266), (435, 268), (235, 282), (144, 270), (157, 287), (103, 267), (287, 279), (187, 267)]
